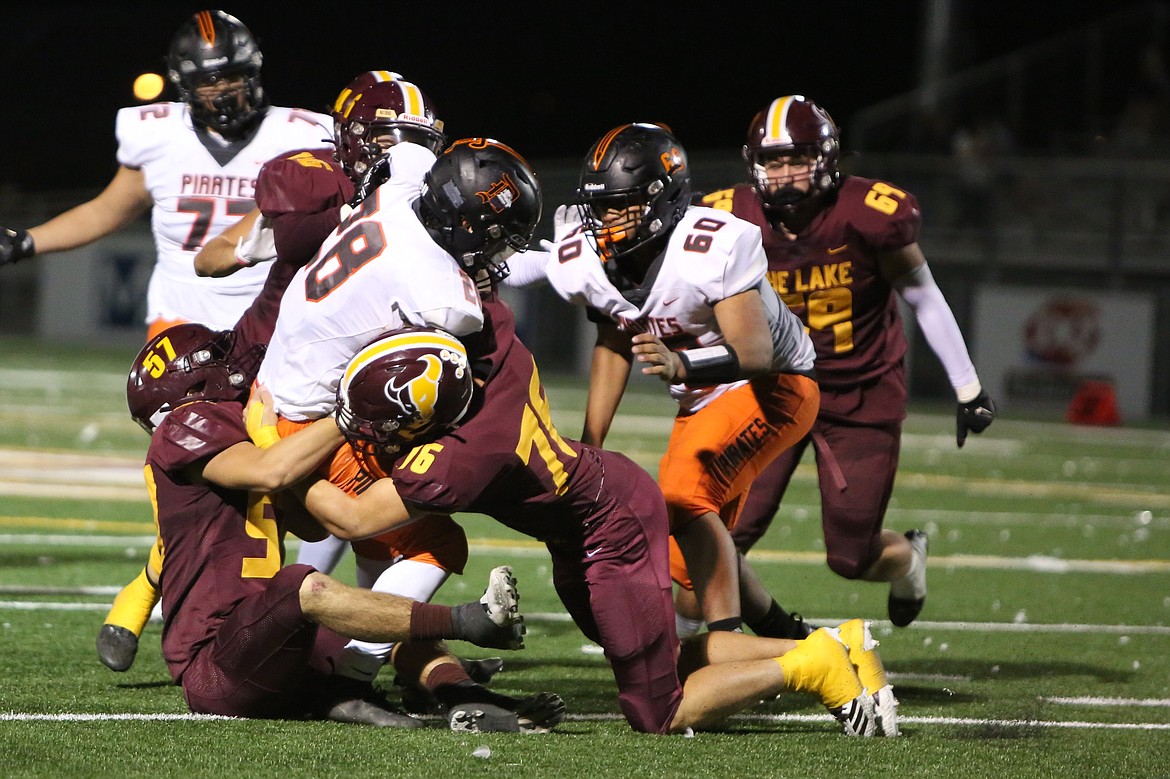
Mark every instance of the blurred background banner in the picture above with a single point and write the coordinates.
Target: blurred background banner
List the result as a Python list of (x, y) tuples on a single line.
[(1036, 348)]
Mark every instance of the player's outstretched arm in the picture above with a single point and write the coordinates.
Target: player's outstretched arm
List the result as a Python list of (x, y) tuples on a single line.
[(123, 200), (246, 466)]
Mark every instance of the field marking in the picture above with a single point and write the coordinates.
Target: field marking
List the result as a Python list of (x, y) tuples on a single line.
[(530, 548), (561, 616), (1161, 703), (601, 717)]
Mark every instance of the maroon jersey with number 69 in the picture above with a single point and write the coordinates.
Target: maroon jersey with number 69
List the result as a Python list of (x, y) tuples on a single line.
[(829, 277)]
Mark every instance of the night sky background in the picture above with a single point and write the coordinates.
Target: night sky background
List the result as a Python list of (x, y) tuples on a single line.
[(547, 78)]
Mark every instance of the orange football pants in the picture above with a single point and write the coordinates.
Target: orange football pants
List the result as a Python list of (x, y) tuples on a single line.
[(437, 540), (715, 454)]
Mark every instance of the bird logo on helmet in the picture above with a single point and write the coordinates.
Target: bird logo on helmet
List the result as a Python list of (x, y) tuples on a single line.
[(409, 387), (209, 48)]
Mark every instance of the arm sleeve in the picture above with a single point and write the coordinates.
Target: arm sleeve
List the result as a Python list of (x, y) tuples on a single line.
[(527, 269), (938, 325)]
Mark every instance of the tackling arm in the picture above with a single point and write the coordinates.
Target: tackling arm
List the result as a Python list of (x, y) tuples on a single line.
[(352, 517), (247, 242), (246, 466)]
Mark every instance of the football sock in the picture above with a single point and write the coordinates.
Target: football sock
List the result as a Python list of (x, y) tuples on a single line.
[(906, 586), (451, 685), (778, 623), (430, 621), (133, 604)]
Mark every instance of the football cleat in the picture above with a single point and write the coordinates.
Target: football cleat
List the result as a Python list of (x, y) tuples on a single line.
[(116, 647), (863, 654), (538, 713), (482, 671), (908, 594), (501, 601), (494, 620), (820, 665), (370, 711)]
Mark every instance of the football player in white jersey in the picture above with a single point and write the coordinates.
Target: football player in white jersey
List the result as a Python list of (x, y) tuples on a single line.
[(194, 164), (682, 291), (407, 255)]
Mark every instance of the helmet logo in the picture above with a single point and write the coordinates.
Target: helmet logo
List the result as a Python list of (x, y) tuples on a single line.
[(500, 195), (672, 160), (420, 391)]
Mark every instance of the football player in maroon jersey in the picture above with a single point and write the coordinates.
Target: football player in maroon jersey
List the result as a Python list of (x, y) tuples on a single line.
[(411, 410), (242, 635), (839, 248)]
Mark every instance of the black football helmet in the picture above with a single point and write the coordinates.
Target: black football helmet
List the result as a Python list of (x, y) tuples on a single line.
[(405, 389), (633, 165), (209, 47), (793, 125), (481, 202), (184, 363), (370, 112)]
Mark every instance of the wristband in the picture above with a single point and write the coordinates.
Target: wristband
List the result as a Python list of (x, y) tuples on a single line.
[(710, 365)]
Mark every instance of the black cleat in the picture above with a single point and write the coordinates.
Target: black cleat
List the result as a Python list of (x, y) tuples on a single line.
[(116, 647), (538, 713)]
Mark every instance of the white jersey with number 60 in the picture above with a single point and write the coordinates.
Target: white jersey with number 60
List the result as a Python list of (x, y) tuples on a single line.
[(710, 256)]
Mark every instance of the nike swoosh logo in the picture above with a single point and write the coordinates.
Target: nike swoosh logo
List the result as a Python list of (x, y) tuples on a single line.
[(839, 249), (592, 552), (668, 302)]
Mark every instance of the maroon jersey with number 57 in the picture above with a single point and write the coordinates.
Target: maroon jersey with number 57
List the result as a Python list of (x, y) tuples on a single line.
[(829, 276)]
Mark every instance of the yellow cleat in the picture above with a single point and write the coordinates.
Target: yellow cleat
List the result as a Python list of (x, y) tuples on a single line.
[(864, 657), (820, 665)]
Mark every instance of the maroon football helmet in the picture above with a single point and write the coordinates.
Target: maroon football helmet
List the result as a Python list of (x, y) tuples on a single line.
[(405, 389), (185, 363), (793, 125), (370, 112)]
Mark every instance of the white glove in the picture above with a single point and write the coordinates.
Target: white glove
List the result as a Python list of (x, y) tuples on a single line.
[(566, 219), (259, 245)]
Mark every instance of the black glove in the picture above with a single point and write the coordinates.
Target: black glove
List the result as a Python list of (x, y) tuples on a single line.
[(15, 245), (973, 417), (375, 176)]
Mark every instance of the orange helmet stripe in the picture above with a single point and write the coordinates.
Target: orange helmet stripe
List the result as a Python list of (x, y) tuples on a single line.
[(206, 28), (603, 144)]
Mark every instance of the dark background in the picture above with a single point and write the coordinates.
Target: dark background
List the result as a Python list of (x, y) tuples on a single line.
[(547, 78)]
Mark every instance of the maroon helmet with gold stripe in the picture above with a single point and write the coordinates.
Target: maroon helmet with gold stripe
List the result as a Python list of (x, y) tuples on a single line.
[(379, 109), (789, 126)]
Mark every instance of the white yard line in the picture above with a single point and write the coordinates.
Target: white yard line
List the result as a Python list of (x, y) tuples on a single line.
[(809, 718)]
